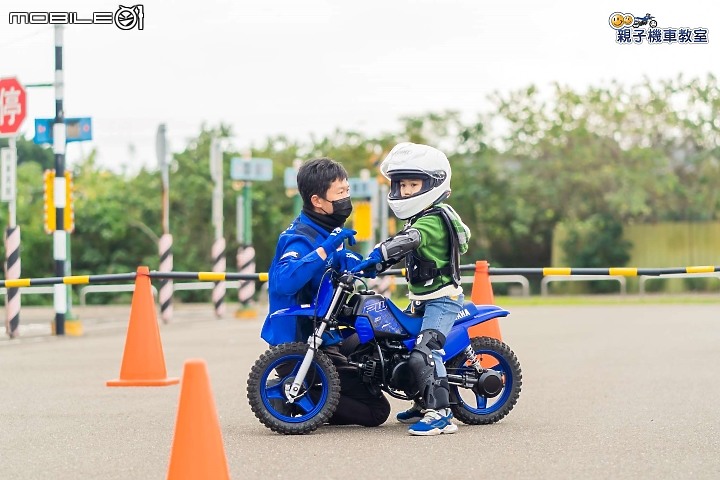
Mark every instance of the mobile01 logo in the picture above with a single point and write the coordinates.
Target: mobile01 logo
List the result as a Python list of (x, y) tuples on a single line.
[(124, 18)]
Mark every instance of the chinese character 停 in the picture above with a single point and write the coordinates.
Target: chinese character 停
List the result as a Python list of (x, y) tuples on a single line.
[(9, 105)]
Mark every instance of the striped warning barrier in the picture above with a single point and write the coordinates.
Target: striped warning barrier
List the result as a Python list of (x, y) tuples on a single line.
[(219, 265), (209, 276), (246, 264), (263, 276), (12, 265), (246, 290), (166, 288), (550, 271), (71, 280), (166, 277)]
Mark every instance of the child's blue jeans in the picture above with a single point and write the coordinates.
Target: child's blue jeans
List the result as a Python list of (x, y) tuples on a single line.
[(439, 314)]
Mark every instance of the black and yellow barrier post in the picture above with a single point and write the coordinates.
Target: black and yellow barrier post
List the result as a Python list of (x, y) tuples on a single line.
[(263, 277)]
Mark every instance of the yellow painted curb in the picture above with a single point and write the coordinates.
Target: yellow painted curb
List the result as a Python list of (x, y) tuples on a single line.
[(73, 328), (246, 313)]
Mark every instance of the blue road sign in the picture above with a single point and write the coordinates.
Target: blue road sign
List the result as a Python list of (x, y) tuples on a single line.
[(76, 130), (359, 188), (251, 169), (290, 178)]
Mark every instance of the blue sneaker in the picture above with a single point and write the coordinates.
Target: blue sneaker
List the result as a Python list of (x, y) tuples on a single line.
[(435, 422), (412, 415)]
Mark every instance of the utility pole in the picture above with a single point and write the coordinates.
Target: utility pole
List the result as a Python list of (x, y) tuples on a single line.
[(60, 238), (244, 171), (165, 248), (218, 247), (12, 237)]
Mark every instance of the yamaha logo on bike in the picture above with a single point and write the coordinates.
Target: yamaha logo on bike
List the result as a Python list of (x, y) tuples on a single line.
[(632, 29)]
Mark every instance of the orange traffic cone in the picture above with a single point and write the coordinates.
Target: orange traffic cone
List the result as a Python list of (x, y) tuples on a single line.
[(143, 363), (482, 294), (197, 447)]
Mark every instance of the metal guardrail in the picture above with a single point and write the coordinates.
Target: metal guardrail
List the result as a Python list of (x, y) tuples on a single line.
[(263, 276), (644, 278), (581, 278), (519, 279), (497, 275), (524, 283), (32, 291), (131, 287), (202, 285)]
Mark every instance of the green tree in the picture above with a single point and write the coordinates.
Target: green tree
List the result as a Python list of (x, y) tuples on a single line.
[(590, 160)]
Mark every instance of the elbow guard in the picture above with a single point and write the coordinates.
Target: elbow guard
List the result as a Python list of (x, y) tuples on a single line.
[(395, 248)]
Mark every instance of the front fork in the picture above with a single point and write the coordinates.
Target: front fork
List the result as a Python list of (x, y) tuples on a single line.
[(314, 342)]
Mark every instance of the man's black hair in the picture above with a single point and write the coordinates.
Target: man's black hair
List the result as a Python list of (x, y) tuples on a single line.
[(315, 177)]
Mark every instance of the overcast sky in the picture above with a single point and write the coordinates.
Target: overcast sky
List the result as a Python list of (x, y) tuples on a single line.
[(294, 67)]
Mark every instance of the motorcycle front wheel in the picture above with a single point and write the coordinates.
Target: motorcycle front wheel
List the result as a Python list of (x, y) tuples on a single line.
[(271, 377), (473, 407)]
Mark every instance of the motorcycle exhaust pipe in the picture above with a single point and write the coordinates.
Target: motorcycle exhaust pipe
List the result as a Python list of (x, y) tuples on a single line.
[(489, 384)]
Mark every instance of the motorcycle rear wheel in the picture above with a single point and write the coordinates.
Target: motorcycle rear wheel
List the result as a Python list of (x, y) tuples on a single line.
[(272, 374), (482, 410)]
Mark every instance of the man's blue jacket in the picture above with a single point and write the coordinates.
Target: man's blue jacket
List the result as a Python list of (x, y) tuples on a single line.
[(294, 278)]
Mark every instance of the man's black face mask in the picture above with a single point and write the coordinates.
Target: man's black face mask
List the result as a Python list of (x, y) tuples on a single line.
[(341, 211)]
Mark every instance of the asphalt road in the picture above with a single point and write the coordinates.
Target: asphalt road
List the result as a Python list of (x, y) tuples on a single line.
[(620, 391)]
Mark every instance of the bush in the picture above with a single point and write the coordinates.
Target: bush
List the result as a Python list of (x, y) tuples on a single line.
[(597, 242)]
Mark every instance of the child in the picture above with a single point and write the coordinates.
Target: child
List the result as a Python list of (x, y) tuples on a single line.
[(431, 243)]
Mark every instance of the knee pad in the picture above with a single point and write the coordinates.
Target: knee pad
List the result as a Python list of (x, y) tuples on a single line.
[(421, 360), (433, 391)]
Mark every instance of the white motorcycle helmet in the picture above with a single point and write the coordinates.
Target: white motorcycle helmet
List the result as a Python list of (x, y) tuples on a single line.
[(413, 161)]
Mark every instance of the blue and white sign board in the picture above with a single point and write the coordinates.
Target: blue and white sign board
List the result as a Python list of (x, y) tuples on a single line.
[(251, 169), (76, 130), (8, 164), (290, 178), (360, 188)]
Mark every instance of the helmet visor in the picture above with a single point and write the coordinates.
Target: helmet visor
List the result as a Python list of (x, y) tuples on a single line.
[(428, 180)]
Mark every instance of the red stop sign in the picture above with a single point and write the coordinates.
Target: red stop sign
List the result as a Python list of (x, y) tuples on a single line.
[(13, 106)]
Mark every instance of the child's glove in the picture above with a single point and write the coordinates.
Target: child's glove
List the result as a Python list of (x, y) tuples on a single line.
[(336, 238), (371, 265)]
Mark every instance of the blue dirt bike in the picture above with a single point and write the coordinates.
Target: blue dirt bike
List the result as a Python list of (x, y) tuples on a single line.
[(646, 20), (294, 388)]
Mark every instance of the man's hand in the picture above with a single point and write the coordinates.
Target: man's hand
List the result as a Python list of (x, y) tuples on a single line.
[(371, 265), (347, 259), (336, 238)]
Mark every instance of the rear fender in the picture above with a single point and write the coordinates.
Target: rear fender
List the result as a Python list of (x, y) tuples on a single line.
[(458, 339)]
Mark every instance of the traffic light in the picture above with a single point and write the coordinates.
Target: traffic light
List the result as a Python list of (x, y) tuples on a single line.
[(49, 202), (69, 203)]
